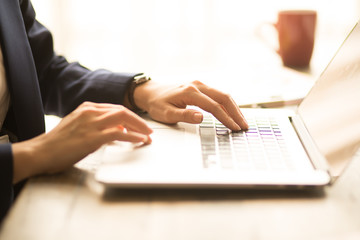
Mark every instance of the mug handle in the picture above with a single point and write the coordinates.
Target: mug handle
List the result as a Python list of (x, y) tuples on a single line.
[(259, 32)]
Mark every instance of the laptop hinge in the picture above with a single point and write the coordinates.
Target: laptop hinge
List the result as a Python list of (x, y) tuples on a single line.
[(317, 159)]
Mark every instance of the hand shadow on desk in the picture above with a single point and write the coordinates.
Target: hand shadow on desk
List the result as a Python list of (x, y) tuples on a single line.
[(173, 195)]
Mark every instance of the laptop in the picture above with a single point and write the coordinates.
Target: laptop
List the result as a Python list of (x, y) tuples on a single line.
[(308, 148)]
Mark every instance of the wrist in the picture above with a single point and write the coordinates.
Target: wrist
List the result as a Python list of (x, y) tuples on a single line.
[(23, 166), (137, 82), (142, 95), (26, 160)]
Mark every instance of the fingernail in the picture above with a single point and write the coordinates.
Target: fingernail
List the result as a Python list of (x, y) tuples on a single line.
[(147, 140), (150, 130), (198, 117), (246, 121), (246, 125), (237, 128)]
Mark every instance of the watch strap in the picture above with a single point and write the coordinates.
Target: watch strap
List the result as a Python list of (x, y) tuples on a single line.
[(137, 81)]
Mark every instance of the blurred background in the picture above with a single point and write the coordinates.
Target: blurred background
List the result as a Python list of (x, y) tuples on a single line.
[(203, 39)]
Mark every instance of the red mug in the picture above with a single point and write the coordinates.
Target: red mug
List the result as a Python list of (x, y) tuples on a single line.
[(296, 32), (296, 35)]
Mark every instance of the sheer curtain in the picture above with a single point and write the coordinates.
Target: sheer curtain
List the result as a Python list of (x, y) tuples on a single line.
[(182, 36)]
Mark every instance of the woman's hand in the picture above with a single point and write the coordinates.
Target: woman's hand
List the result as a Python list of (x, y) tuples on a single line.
[(168, 104), (80, 133)]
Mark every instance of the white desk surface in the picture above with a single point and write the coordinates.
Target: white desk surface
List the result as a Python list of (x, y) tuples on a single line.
[(71, 205)]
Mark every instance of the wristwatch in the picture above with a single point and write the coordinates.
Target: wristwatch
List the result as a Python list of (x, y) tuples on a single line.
[(137, 81)]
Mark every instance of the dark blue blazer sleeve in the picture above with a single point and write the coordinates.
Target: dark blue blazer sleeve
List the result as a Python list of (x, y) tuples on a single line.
[(63, 87), (6, 175), (66, 85)]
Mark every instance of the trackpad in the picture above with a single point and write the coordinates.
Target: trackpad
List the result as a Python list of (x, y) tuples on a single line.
[(172, 147)]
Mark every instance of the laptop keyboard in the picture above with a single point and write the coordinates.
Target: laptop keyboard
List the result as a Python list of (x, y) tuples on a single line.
[(261, 147)]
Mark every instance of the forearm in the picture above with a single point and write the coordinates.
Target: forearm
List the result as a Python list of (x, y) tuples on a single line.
[(25, 160)]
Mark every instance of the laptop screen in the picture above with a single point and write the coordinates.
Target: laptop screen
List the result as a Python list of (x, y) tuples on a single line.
[(331, 111)]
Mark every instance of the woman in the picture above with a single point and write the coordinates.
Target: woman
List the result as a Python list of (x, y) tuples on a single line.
[(96, 106)]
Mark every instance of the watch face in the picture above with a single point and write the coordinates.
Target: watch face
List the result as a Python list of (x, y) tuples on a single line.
[(142, 79)]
